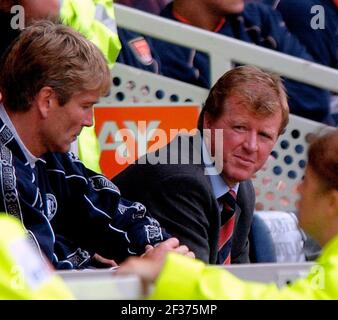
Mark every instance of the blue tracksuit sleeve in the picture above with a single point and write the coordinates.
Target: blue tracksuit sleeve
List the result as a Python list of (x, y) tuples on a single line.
[(183, 63), (92, 215)]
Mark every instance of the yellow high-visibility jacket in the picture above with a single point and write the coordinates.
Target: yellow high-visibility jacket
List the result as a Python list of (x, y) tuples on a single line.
[(184, 278), (95, 19), (24, 274)]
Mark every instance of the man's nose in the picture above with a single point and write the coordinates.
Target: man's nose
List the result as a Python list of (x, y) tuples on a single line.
[(89, 118), (250, 143)]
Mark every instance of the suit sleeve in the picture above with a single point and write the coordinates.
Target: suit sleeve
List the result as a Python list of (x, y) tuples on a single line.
[(187, 212), (179, 202)]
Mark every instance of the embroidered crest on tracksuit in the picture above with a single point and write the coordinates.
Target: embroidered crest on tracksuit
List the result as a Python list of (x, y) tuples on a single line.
[(141, 50), (52, 206)]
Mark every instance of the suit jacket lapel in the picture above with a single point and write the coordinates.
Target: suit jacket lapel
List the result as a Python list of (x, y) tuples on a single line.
[(238, 213)]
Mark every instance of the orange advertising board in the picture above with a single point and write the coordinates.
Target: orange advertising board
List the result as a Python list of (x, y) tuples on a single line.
[(128, 132)]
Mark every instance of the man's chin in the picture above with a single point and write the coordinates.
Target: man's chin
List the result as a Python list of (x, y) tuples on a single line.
[(239, 8), (63, 149)]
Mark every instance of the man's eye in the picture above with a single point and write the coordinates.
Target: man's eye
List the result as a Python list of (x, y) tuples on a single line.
[(265, 135)]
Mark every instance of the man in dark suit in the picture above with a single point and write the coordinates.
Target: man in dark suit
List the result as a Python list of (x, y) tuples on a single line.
[(183, 184)]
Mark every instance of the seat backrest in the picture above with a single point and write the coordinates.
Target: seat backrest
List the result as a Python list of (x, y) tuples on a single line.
[(287, 236), (262, 246)]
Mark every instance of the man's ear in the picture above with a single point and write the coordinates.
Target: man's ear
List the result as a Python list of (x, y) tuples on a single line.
[(206, 121), (43, 101), (206, 126), (209, 134)]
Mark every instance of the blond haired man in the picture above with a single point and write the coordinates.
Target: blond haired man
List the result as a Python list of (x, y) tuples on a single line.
[(49, 82)]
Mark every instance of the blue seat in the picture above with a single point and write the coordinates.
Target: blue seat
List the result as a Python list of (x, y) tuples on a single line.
[(262, 248), (276, 237)]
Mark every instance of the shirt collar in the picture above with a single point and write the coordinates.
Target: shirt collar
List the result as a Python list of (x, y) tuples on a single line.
[(7, 121), (219, 187)]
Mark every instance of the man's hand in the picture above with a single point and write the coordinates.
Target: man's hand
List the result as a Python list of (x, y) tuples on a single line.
[(150, 264), (107, 263), (159, 251)]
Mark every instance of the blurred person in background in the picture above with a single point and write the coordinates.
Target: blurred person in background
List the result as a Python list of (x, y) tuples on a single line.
[(316, 30), (254, 23), (151, 6), (315, 23)]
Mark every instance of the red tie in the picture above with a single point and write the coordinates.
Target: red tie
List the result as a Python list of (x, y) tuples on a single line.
[(228, 217)]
